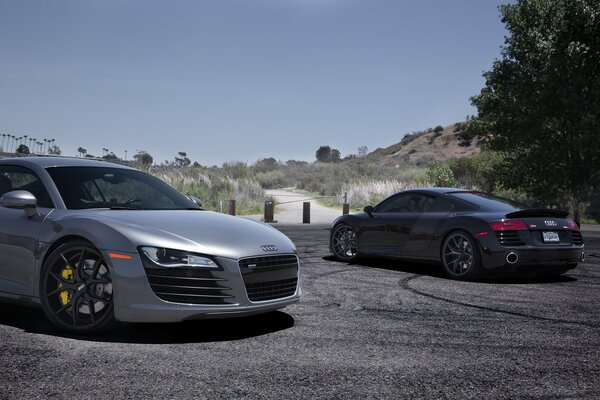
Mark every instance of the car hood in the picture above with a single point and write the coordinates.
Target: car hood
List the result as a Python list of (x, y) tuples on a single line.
[(203, 232)]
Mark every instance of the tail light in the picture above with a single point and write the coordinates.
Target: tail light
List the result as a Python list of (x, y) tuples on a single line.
[(572, 225), (508, 225)]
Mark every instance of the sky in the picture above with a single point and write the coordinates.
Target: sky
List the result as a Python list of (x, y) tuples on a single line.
[(240, 80)]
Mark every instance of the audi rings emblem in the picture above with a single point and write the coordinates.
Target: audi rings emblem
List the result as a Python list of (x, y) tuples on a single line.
[(269, 248), (550, 223)]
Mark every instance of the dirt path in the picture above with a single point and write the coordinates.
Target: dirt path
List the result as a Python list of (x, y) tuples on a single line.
[(289, 206)]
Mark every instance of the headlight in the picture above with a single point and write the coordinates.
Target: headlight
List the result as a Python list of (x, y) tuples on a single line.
[(169, 258)]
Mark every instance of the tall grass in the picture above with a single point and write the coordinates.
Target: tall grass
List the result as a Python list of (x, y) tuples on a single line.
[(215, 189), (365, 193)]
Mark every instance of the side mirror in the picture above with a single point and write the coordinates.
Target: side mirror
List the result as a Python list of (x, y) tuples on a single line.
[(368, 210), (196, 201), (20, 200)]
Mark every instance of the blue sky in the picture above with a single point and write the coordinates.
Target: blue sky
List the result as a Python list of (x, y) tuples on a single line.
[(228, 80)]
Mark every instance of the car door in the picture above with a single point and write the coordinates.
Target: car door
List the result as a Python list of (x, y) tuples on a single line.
[(389, 230), (434, 210), (19, 233)]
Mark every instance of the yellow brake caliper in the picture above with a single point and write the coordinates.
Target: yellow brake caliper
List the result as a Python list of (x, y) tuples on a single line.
[(66, 274)]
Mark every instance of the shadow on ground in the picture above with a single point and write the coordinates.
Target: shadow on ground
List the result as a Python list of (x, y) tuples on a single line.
[(514, 277), (32, 320)]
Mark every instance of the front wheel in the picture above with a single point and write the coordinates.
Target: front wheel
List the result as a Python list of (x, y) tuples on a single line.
[(344, 243), (76, 288), (460, 256)]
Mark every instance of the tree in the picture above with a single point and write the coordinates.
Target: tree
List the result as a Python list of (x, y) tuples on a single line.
[(438, 128), (80, 150), (22, 149), (110, 156), (182, 160), (266, 165), (362, 151), (327, 154), (54, 149), (143, 158), (540, 106)]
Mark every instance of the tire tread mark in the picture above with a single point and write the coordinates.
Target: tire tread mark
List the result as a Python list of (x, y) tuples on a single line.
[(404, 283)]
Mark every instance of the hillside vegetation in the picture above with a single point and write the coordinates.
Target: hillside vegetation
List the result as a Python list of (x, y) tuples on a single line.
[(423, 147)]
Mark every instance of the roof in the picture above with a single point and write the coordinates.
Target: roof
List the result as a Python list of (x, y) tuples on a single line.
[(440, 190), (46, 162)]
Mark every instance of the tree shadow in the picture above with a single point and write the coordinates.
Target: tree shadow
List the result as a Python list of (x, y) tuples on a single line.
[(500, 276), (33, 320)]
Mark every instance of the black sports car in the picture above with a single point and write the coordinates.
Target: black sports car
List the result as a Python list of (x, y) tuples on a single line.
[(468, 232)]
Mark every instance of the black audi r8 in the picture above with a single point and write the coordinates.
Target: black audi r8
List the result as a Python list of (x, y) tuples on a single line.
[(468, 232)]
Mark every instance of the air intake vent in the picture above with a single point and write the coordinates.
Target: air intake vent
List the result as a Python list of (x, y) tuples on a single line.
[(187, 285), (270, 277), (577, 238), (511, 238)]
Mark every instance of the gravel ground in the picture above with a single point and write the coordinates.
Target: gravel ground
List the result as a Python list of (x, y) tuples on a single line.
[(380, 329)]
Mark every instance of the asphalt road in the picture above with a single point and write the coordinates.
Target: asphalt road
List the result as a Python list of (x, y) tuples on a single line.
[(382, 329)]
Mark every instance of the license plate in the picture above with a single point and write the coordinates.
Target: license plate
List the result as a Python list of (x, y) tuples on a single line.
[(550, 237)]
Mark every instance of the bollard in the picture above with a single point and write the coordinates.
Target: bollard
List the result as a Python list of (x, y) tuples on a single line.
[(231, 207), (269, 210), (346, 208), (306, 212)]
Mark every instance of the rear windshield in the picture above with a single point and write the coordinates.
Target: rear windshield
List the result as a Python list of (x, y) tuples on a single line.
[(488, 201)]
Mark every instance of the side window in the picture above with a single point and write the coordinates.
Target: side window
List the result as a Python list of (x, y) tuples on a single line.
[(21, 178), (438, 205), (410, 202)]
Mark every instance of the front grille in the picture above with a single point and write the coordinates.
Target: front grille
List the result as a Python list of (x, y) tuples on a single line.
[(270, 277), (511, 238), (577, 238), (188, 285)]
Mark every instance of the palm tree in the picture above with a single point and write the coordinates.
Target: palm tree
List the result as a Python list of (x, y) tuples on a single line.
[(3, 136)]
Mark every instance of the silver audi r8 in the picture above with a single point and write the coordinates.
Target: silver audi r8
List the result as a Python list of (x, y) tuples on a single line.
[(93, 242)]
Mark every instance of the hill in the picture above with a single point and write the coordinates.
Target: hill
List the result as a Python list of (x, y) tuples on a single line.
[(421, 148)]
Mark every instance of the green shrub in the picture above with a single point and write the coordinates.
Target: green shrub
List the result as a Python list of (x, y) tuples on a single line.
[(440, 175)]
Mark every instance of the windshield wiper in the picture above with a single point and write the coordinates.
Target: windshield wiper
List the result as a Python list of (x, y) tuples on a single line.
[(125, 208)]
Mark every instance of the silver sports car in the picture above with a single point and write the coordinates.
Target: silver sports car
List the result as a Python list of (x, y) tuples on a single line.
[(93, 242)]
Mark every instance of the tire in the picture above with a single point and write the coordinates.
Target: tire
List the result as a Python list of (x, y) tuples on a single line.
[(76, 289), (344, 243), (460, 256)]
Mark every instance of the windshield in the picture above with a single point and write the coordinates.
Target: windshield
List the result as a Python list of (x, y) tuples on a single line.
[(489, 202), (115, 188)]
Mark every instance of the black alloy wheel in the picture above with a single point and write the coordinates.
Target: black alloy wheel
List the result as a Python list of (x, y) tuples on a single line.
[(344, 243), (76, 288), (460, 256)]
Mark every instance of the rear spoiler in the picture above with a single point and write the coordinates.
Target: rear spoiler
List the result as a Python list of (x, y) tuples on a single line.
[(538, 212)]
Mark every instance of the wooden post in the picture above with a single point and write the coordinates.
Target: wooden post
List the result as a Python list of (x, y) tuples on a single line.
[(306, 212), (269, 211), (232, 207), (346, 205)]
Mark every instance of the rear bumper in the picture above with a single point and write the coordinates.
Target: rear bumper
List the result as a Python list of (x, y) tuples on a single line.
[(555, 256)]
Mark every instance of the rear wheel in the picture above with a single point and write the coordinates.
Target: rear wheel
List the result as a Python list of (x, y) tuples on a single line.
[(76, 288), (344, 243), (460, 256)]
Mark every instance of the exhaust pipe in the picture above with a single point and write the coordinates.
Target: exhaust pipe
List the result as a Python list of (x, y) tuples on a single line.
[(512, 257)]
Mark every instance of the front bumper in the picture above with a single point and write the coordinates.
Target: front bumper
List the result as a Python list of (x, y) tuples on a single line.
[(135, 301)]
